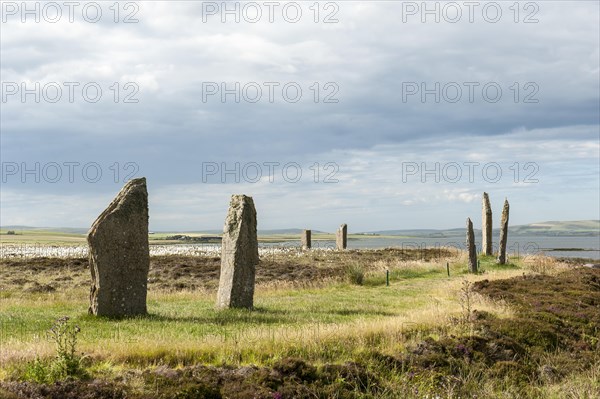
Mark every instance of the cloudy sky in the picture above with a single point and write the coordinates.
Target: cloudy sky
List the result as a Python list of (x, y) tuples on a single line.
[(379, 114)]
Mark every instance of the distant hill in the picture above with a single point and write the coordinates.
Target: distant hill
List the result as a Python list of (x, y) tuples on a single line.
[(557, 228), (260, 232), (67, 230), (551, 228), (285, 231), (81, 230), (418, 232)]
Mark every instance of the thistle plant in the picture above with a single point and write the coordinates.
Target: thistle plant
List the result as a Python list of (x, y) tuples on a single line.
[(64, 336)]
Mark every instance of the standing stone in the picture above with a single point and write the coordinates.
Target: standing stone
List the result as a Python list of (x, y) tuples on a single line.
[(306, 239), (472, 263), (341, 237), (503, 234), (486, 225), (119, 254), (239, 255)]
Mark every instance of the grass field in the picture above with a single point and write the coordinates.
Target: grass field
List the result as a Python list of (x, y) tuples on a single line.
[(45, 237), (41, 236), (324, 325)]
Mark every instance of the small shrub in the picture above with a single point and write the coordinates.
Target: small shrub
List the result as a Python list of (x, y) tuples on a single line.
[(198, 391), (466, 299), (64, 335), (67, 362), (355, 273), (37, 371)]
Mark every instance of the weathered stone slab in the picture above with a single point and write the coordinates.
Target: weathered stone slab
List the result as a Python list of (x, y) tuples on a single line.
[(486, 225), (472, 261), (503, 234), (341, 237), (305, 239), (239, 255), (119, 254)]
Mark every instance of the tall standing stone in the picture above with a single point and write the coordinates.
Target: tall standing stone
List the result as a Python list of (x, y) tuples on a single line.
[(503, 234), (472, 263), (306, 239), (239, 255), (119, 254), (486, 225), (341, 237)]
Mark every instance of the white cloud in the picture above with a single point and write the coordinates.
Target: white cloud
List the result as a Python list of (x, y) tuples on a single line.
[(371, 133)]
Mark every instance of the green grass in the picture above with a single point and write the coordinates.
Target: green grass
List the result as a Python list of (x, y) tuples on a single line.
[(373, 326), (190, 320)]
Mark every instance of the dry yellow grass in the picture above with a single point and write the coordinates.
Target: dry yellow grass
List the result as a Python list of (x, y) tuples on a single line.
[(411, 306), (543, 264)]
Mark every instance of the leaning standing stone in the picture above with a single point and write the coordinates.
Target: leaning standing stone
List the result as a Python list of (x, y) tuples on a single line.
[(306, 239), (503, 234), (341, 237), (486, 225), (472, 263), (239, 255), (119, 254)]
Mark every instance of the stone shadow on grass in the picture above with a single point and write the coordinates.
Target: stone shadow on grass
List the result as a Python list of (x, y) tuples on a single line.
[(256, 316), (259, 315)]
